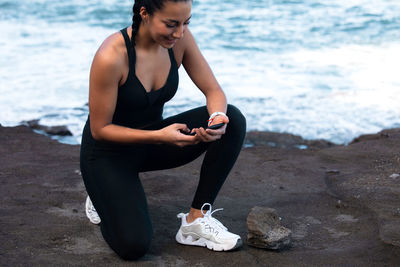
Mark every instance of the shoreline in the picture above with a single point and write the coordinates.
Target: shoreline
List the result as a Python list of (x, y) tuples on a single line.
[(341, 202), (63, 135)]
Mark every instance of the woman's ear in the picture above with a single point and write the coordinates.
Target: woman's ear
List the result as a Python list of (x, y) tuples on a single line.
[(144, 14)]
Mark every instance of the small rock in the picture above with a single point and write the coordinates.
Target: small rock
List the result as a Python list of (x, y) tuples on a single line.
[(32, 123), (265, 231), (57, 130), (394, 175), (61, 130)]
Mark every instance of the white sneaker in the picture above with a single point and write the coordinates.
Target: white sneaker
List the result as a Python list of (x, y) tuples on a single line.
[(91, 212), (207, 232)]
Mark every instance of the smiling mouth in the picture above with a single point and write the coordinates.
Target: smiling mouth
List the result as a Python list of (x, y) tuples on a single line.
[(171, 41)]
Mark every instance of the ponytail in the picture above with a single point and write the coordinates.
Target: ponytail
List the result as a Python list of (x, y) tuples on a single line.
[(136, 18)]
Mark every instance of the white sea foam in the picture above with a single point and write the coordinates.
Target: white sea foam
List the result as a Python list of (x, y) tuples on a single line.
[(335, 93), (317, 69)]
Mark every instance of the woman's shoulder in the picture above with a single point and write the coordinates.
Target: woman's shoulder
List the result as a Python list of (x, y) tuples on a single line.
[(112, 50), (114, 44), (183, 45)]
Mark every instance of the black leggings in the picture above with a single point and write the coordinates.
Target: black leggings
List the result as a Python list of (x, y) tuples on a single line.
[(112, 182)]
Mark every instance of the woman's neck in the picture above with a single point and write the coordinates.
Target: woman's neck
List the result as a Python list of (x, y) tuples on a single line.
[(143, 39)]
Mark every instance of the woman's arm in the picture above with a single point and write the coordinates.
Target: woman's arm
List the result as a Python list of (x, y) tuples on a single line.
[(105, 76), (201, 74)]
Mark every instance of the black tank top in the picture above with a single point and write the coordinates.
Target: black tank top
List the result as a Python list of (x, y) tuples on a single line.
[(135, 106)]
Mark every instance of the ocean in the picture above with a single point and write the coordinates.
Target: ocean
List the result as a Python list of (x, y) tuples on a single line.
[(318, 69)]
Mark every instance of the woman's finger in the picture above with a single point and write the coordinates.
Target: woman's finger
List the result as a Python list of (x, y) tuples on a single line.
[(219, 131), (181, 126), (201, 135), (208, 137)]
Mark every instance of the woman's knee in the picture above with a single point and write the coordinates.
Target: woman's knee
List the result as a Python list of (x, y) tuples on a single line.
[(236, 118), (132, 245)]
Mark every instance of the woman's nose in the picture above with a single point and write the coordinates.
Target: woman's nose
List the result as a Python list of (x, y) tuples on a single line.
[(178, 33)]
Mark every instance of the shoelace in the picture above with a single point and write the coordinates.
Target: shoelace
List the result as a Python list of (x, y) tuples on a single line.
[(208, 215)]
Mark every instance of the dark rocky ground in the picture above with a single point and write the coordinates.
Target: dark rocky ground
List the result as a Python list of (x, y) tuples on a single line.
[(341, 202)]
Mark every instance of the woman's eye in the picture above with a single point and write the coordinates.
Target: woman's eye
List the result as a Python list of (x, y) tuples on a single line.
[(169, 25), (187, 23)]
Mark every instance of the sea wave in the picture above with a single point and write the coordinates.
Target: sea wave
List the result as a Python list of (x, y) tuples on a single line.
[(319, 69)]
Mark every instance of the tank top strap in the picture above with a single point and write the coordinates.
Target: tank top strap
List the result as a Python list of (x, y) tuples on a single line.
[(172, 58), (129, 48)]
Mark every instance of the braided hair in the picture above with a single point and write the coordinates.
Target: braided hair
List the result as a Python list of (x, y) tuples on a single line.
[(151, 6)]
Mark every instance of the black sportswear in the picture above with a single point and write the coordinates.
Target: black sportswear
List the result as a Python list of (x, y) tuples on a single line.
[(110, 171)]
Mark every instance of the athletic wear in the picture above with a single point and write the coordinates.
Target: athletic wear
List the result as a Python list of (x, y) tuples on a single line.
[(207, 232), (91, 212), (111, 170), (135, 106)]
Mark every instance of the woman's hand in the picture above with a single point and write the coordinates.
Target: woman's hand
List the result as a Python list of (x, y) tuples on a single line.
[(209, 135), (172, 135)]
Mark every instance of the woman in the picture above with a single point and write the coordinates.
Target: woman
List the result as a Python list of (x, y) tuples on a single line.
[(134, 72)]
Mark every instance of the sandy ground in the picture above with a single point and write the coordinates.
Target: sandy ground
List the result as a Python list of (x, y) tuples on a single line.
[(341, 202)]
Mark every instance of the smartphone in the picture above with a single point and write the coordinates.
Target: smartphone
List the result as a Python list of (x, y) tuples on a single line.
[(216, 126), (187, 133)]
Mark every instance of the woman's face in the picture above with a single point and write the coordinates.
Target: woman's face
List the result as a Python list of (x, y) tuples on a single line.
[(168, 25)]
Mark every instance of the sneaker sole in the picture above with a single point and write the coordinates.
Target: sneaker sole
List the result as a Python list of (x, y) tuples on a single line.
[(202, 242), (94, 221)]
